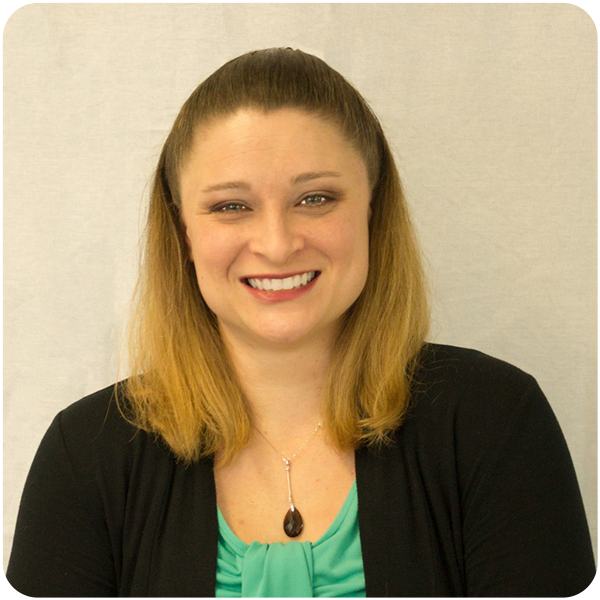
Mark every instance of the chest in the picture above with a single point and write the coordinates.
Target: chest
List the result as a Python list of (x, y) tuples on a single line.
[(253, 494)]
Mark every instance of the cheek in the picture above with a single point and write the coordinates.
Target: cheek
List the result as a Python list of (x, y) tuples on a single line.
[(348, 246), (212, 252), (345, 240)]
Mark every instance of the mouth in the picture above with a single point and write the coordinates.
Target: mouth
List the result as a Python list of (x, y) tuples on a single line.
[(246, 281)]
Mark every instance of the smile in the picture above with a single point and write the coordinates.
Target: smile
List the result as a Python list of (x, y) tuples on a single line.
[(275, 285)]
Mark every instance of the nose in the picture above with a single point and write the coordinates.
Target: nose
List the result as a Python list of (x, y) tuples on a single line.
[(277, 237)]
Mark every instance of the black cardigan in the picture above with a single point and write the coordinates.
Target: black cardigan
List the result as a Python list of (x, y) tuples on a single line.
[(477, 497)]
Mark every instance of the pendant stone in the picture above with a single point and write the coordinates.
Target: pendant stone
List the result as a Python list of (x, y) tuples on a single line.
[(292, 523)]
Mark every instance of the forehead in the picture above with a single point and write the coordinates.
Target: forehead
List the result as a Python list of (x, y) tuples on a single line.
[(247, 121), (279, 141)]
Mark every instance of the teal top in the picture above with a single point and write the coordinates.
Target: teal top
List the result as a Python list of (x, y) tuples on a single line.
[(330, 567)]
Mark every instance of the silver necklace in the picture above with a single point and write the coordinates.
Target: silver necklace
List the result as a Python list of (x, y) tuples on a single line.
[(292, 522)]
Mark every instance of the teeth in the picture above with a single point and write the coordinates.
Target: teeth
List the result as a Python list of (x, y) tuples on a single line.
[(288, 283)]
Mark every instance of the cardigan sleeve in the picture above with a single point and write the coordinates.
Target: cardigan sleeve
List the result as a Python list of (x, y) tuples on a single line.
[(61, 545), (524, 527)]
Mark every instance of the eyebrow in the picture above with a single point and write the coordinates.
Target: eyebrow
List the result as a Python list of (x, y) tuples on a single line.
[(242, 185)]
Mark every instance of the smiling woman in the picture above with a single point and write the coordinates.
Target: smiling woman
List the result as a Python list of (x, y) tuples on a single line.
[(299, 208), (286, 429), (233, 201)]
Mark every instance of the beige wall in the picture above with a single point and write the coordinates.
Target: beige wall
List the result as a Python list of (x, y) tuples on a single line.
[(491, 109)]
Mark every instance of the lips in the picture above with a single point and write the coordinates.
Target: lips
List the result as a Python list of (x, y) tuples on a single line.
[(282, 295), (282, 282), (247, 282), (279, 276)]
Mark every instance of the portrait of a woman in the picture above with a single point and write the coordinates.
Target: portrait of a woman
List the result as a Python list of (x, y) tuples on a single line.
[(287, 429)]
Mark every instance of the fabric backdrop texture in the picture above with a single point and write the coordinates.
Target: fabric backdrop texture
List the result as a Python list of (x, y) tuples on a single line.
[(491, 110)]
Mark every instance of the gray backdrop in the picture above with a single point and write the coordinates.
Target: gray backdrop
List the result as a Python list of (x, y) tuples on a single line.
[(491, 111)]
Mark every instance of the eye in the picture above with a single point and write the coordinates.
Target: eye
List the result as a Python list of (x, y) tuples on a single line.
[(328, 199), (221, 208)]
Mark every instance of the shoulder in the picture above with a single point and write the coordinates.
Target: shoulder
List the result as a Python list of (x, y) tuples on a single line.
[(470, 400), (93, 433), (96, 415), (463, 377), (455, 366)]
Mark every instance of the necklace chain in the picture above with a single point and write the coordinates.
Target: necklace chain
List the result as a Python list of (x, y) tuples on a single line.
[(292, 523), (287, 460)]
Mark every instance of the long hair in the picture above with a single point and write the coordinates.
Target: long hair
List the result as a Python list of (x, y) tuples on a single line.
[(183, 386)]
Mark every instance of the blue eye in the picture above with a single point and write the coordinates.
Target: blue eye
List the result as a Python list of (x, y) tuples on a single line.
[(327, 199), (220, 208)]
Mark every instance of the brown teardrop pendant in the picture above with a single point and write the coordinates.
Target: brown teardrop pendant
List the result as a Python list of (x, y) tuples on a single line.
[(293, 523)]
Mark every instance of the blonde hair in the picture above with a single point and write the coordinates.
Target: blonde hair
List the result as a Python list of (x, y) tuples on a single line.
[(184, 387)]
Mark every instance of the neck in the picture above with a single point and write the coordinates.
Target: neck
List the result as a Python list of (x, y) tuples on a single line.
[(283, 384)]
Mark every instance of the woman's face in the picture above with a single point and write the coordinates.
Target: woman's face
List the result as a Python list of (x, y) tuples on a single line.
[(268, 202)]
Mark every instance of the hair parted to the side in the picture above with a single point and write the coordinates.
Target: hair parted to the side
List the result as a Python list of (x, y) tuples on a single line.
[(183, 385)]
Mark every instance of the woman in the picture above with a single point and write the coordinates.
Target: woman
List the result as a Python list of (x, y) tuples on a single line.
[(287, 431)]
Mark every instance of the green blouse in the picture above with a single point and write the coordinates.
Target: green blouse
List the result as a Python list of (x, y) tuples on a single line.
[(330, 567)]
